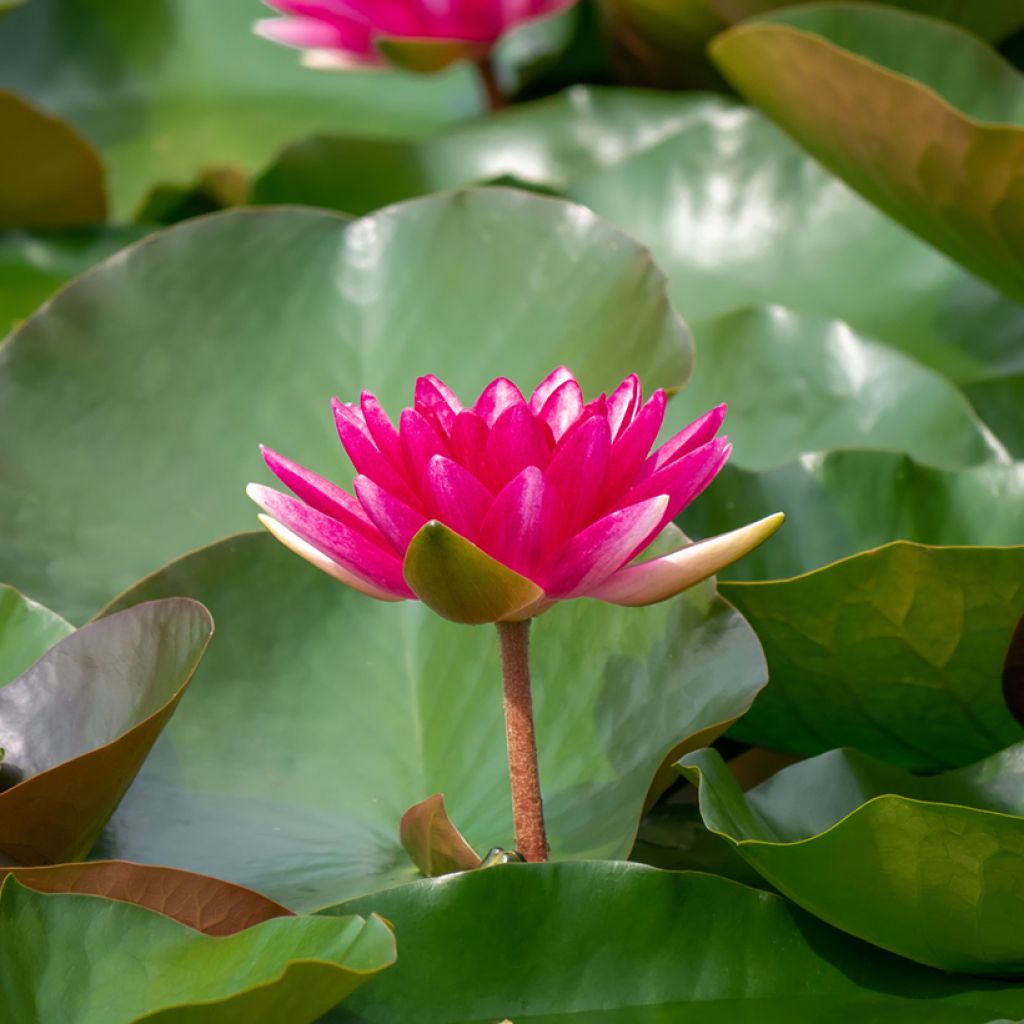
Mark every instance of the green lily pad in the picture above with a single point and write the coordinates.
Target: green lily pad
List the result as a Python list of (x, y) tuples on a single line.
[(798, 383), (847, 501), (170, 88), (251, 321), (548, 143), (922, 118), (999, 401), (206, 904), (138, 965), (628, 944), (897, 652), (334, 686), (33, 265), (738, 215), (27, 632), (928, 867), (76, 726), (50, 177)]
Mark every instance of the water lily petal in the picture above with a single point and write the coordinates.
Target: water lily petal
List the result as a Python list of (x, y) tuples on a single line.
[(421, 441), (623, 404), (631, 449), (684, 478), (594, 554), (544, 390), (395, 520), (435, 400), (382, 431), (699, 432), (661, 578), (457, 498), (576, 478), (562, 407), (498, 396), (511, 530), (468, 440), (516, 440), (365, 455)]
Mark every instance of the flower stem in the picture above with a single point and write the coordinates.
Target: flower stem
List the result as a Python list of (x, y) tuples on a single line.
[(489, 79), (527, 805)]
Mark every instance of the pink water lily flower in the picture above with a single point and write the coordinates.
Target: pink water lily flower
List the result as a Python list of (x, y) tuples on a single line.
[(496, 511), (424, 35)]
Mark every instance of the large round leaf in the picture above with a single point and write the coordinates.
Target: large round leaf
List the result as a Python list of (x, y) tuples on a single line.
[(86, 960), (168, 366), (798, 384), (27, 632), (76, 725), (33, 265), (545, 143), (922, 118), (50, 177), (929, 867), (625, 944), (170, 87), (999, 401), (321, 716), (738, 215), (846, 501), (898, 652)]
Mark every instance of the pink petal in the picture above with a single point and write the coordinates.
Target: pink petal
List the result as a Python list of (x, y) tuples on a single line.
[(457, 498), (667, 576), (593, 555), (683, 479), (576, 477), (435, 400), (511, 530), (544, 390), (320, 493), (468, 440), (421, 441), (516, 441), (499, 395), (699, 432), (341, 544), (366, 457), (562, 408), (381, 429), (353, 38), (630, 451), (395, 520), (622, 404)]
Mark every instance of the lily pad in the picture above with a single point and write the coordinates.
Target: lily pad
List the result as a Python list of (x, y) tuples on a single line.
[(848, 501), (738, 215), (798, 384), (922, 118), (251, 321), (27, 632), (76, 726), (548, 143), (897, 652), (206, 904), (928, 867), (140, 966), (170, 88), (336, 687), (629, 944), (50, 177), (433, 843), (999, 401)]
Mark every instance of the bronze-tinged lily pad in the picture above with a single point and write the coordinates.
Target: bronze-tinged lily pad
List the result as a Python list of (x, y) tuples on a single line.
[(206, 904), (50, 177), (76, 726), (435, 845)]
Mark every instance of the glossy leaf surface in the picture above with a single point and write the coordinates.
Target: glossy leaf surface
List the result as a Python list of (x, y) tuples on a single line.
[(616, 943), (138, 965), (171, 88), (897, 652), (928, 867), (262, 316), (433, 842), (335, 687), (27, 632), (76, 726), (922, 118)]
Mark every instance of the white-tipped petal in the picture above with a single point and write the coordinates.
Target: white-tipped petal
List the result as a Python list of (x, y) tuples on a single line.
[(662, 578), (305, 550)]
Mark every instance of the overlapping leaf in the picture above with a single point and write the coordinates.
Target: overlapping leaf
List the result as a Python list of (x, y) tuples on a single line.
[(76, 725), (922, 118), (170, 88), (928, 867), (625, 944), (138, 965), (321, 716), (261, 316), (897, 652), (27, 632)]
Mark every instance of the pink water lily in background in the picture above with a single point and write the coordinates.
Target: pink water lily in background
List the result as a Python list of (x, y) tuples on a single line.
[(425, 35), (564, 493)]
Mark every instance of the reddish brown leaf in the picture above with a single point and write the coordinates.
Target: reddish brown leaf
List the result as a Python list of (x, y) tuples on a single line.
[(435, 845)]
